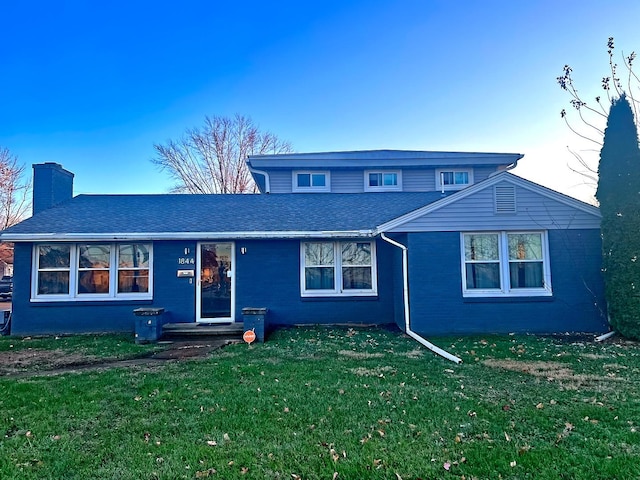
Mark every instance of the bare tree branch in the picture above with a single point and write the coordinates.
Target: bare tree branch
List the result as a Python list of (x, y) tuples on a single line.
[(592, 120), (14, 191), (212, 159)]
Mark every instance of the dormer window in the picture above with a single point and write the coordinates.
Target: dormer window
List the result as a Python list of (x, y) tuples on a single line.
[(381, 181), (311, 181), (453, 179)]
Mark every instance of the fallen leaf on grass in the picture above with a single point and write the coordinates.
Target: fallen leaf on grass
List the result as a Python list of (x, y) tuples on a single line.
[(206, 473), (540, 406), (524, 449), (212, 443)]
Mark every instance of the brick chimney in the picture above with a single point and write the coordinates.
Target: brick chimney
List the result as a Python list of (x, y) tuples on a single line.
[(52, 185)]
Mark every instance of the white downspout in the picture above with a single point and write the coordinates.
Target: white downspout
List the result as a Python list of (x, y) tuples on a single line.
[(267, 182), (405, 297)]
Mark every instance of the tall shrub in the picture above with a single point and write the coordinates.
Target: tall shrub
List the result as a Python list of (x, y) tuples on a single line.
[(619, 197)]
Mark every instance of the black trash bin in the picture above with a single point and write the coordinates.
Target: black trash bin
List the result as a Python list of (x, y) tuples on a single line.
[(256, 319), (148, 324)]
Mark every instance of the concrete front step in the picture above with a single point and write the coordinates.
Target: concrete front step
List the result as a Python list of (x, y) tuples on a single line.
[(201, 329)]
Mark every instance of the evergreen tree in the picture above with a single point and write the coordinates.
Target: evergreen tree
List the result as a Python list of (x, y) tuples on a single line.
[(619, 197)]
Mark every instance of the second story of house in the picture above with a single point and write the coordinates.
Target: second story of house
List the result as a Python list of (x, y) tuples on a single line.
[(375, 171)]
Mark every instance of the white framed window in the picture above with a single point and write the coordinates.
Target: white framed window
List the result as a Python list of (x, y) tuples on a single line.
[(453, 178), (311, 181), (496, 264), (346, 268), (91, 271), (382, 181)]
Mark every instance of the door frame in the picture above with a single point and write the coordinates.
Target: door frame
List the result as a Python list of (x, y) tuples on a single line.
[(198, 272)]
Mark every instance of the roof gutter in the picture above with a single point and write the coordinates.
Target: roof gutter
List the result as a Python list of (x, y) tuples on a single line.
[(267, 181), (405, 297), (72, 237), (511, 166)]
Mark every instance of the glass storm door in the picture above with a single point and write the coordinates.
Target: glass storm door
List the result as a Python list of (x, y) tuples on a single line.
[(214, 296)]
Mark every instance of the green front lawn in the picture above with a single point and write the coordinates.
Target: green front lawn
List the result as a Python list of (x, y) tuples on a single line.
[(334, 403)]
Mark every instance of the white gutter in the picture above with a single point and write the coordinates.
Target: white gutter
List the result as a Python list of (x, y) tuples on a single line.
[(71, 237), (405, 297), (267, 181), (511, 166)]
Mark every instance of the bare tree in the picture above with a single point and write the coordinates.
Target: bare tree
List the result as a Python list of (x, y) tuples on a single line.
[(14, 191), (590, 118), (212, 159)]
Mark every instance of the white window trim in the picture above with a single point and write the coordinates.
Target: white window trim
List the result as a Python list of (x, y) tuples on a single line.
[(296, 188), (440, 171), (383, 188), (503, 248), (338, 291), (73, 294)]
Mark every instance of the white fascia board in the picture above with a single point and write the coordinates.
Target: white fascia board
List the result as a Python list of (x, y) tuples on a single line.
[(75, 237), (489, 182)]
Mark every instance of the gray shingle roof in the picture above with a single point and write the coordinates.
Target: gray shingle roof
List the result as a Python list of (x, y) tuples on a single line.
[(242, 214)]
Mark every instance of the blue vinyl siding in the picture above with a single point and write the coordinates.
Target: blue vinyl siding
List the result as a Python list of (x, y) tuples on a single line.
[(281, 181), (352, 180), (347, 181), (482, 173), (419, 180), (437, 305), (477, 212)]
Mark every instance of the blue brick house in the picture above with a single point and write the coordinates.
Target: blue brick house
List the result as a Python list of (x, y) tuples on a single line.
[(436, 242)]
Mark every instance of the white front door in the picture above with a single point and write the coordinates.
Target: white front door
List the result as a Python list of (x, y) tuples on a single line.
[(215, 287)]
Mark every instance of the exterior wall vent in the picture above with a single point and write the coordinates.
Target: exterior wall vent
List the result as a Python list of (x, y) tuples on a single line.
[(505, 198)]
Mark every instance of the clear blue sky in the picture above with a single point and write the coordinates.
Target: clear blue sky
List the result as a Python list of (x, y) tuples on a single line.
[(93, 85)]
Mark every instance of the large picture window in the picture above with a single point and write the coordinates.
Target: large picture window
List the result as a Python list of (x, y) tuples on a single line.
[(505, 264), (338, 268), (92, 271)]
